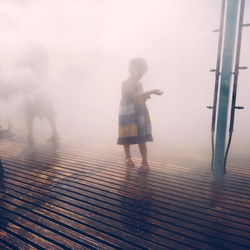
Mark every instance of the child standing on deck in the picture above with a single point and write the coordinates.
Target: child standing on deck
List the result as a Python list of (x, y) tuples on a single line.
[(134, 119)]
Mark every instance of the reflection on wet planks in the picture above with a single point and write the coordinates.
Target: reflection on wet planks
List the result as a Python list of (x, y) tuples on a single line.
[(58, 196)]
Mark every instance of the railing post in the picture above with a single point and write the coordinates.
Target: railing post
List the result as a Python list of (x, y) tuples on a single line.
[(231, 21)]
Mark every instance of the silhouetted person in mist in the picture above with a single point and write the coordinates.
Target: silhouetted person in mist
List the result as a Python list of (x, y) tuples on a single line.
[(37, 102), (134, 119)]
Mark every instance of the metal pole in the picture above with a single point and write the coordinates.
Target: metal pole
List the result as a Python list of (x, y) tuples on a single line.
[(217, 75), (224, 90), (235, 81)]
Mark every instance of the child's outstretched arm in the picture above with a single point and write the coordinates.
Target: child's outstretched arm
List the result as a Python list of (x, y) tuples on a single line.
[(139, 97), (156, 92)]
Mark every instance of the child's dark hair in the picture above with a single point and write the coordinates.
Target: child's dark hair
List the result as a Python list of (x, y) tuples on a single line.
[(138, 63)]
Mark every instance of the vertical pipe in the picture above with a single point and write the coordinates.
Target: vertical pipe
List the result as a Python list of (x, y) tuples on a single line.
[(237, 62), (224, 90), (217, 74), (236, 75)]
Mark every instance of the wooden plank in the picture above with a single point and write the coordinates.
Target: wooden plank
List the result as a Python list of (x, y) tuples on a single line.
[(15, 241), (114, 201), (29, 234), (56, 228), (163, 239), (119, 167), (69, 190), (175, 196), (213, 230), (3, 243)]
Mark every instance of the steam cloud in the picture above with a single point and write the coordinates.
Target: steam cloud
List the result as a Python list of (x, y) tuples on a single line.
[(89, 44)]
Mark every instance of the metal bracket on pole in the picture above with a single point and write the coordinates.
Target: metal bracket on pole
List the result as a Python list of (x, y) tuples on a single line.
[(242, 67)]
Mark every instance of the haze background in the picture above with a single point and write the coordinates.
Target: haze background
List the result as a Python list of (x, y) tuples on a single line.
[(90, 43)]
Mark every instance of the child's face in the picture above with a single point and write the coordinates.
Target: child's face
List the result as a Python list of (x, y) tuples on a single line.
[(137, 73)]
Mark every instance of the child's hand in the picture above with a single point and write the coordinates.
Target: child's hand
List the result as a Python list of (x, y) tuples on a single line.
[(156, 92)]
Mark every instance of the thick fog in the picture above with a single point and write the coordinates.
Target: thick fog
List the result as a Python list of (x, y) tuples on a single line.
[(89, 44)]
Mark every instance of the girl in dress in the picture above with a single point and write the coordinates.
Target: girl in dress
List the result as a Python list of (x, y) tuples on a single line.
[(134, 119)]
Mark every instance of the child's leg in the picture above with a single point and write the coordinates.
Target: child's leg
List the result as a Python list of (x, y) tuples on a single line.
[(128, 160), (127, 151), (144, 155)]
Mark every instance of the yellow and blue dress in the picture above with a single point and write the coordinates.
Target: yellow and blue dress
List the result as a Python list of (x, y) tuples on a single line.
[(134, 119)]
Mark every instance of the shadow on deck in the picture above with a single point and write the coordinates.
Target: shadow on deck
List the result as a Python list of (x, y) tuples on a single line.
[(64, 197)]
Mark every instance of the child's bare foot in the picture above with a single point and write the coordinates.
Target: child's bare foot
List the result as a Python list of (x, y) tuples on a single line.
[(129, 162), (143, 168)]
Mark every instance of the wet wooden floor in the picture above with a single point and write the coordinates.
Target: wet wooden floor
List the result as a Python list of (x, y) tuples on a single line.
[(66, 197)]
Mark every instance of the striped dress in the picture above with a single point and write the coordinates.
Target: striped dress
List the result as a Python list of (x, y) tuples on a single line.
[(134, 119)]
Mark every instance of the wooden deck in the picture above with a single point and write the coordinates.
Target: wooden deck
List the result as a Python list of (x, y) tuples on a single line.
[(66, 197)]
